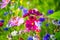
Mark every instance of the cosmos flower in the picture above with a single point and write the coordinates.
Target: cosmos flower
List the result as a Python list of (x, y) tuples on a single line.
[(4, 3), (32, 12), (30, 24), (16, 21)]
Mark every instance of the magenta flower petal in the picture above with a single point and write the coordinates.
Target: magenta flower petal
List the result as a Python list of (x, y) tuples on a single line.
[(34, 28)]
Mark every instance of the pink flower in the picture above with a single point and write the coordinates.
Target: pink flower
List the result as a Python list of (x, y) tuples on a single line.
[(30, 24), (16, 21), (4, 3)]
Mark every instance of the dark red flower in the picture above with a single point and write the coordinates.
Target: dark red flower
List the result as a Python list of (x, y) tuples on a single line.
[(1, 24), (30, 11), (38, 13), (32, 18)]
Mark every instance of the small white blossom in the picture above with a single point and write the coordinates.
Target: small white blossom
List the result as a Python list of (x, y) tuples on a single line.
[(35, 38), (14, 33), (52, 37)]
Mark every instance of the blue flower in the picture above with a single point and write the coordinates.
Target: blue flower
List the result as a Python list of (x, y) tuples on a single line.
[(5, 13), (46, 37), (30, 38), (5, 29), (50, 11), (47, 24), (59, 22), (25, 11), (41, 19), (21, 7), (2, 21)]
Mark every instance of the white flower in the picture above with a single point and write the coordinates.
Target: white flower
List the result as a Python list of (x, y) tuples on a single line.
[(21, 31), (14, 33), (8, 26), (52, 37), (9, 37), (35, 38)]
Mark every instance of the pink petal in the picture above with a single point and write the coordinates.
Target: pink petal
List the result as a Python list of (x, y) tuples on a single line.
[(3, 5), (6, 1)]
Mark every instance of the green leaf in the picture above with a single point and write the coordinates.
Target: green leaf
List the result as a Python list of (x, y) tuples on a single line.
[(55, 15)]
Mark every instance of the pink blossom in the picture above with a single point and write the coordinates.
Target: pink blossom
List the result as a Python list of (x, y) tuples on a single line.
[(4, 3), (16, 21), (30, 24)]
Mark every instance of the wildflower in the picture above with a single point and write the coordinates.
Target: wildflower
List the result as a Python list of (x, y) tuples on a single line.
[(14, 33), (30, 38), (16, 21), (50, 11)]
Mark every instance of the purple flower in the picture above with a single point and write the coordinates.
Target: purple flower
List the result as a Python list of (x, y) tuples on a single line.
[(47, 24), (5, 29), (41, 19), (25, 11), (30, 38), (59, 22), (21, 7), (2, 21), (50, 11), (38, 13), (46, 37), (5, 13)]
